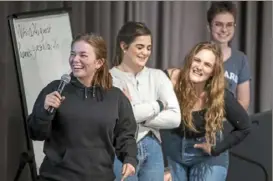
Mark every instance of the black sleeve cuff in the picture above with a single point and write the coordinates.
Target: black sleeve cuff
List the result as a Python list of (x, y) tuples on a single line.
[(161, 105), (44, 115), (213, 152)]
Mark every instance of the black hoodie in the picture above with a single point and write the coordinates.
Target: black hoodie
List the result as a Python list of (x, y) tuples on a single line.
[(82, 137)]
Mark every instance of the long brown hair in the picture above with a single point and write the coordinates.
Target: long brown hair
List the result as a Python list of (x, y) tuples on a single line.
[(127, 34), (187, 96), (102, 76)]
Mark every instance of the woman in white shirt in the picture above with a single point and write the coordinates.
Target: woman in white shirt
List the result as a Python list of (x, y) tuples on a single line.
[(152, 97)]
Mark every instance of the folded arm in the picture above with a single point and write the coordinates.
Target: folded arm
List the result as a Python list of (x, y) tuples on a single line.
[(170, 117), (142, 110), (145, 111)]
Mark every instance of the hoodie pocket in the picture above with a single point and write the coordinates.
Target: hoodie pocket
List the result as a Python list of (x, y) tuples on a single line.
[(93, 161)]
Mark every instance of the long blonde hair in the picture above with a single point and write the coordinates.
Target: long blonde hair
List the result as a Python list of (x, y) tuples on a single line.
[(215, 86)]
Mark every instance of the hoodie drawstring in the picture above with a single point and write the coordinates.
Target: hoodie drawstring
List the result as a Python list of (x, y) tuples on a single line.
[(97, 92), (93, 91), (85, 93)]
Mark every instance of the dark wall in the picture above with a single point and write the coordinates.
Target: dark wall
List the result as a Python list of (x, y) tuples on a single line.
[(255, 152)]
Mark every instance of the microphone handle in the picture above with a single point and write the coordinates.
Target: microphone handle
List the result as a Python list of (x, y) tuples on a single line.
[(50, 110), (60, 90)]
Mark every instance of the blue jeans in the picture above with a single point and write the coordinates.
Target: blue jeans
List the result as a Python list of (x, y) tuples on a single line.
[(150, 161), (192, 164)]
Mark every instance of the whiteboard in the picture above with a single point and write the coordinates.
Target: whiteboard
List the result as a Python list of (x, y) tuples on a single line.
[(42, 48), (43, 45)]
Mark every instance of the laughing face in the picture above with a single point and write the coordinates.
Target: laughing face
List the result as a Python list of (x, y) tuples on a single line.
[(138, 51), (202, 66), (83, 60), (222, 27)]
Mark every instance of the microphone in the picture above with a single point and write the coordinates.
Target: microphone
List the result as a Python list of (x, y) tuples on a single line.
[(65, 79)]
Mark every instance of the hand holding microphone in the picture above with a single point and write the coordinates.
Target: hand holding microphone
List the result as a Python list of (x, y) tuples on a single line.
[(54, 99)]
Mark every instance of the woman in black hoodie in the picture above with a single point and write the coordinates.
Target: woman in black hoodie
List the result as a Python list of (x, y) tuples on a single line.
[(92, 121)]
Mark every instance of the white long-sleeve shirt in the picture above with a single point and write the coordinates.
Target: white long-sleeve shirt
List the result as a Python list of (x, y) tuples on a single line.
[(145, 88)]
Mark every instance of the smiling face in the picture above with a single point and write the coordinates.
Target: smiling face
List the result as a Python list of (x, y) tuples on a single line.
[(138, 51), (202, 66), (83, 61), (222, 27)]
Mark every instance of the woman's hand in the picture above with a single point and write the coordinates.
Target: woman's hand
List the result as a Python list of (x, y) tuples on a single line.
[(53, 99), (127, 170), (167, 176), (206, 147)]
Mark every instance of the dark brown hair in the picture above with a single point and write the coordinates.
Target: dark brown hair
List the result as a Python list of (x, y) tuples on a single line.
[(127, 34), (218, 7), (102, 76)]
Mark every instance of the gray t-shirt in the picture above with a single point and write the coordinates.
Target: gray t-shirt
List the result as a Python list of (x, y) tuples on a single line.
[(236, 70)]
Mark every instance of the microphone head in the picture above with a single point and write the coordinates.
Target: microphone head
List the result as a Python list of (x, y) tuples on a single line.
[(66, 78)]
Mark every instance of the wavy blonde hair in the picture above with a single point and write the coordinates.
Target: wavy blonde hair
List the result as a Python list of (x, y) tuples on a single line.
[(215, 86)]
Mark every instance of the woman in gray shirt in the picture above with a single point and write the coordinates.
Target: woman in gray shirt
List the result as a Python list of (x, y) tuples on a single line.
[(221, 18)]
